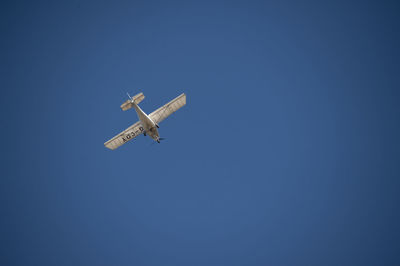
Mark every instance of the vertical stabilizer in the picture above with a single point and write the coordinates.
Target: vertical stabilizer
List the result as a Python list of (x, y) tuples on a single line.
[(128, 103)]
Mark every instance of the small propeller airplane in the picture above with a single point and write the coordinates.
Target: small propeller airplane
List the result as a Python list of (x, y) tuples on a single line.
[(147, 124)]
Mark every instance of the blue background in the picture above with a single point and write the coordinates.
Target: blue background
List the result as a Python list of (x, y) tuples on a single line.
[(287, 152)]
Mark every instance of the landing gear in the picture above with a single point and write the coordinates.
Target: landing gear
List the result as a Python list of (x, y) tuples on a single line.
[(144, 134), (158, 141)]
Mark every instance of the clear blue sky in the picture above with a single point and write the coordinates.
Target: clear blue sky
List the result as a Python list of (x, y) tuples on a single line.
[(287, 152)]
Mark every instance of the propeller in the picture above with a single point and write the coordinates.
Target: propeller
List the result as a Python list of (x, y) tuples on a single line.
[(154, 142)]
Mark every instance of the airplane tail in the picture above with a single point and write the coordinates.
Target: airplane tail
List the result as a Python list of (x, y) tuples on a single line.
[(128, 103)]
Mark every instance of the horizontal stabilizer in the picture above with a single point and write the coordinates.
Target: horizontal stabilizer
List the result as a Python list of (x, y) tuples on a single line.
[(128, 104)]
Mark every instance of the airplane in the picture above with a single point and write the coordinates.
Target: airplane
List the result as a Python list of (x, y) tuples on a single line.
[(147, 124)]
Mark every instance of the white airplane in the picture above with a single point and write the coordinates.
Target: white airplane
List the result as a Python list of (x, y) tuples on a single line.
[(147, 124)]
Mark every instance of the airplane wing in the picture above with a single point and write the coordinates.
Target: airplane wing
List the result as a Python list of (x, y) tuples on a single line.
[(125, 136), (166, 110)]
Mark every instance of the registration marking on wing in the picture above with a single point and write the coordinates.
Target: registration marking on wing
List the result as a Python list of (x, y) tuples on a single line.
[(132, 134)]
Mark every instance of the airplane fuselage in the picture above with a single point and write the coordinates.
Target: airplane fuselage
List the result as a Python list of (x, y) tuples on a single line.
[(149, 126)]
